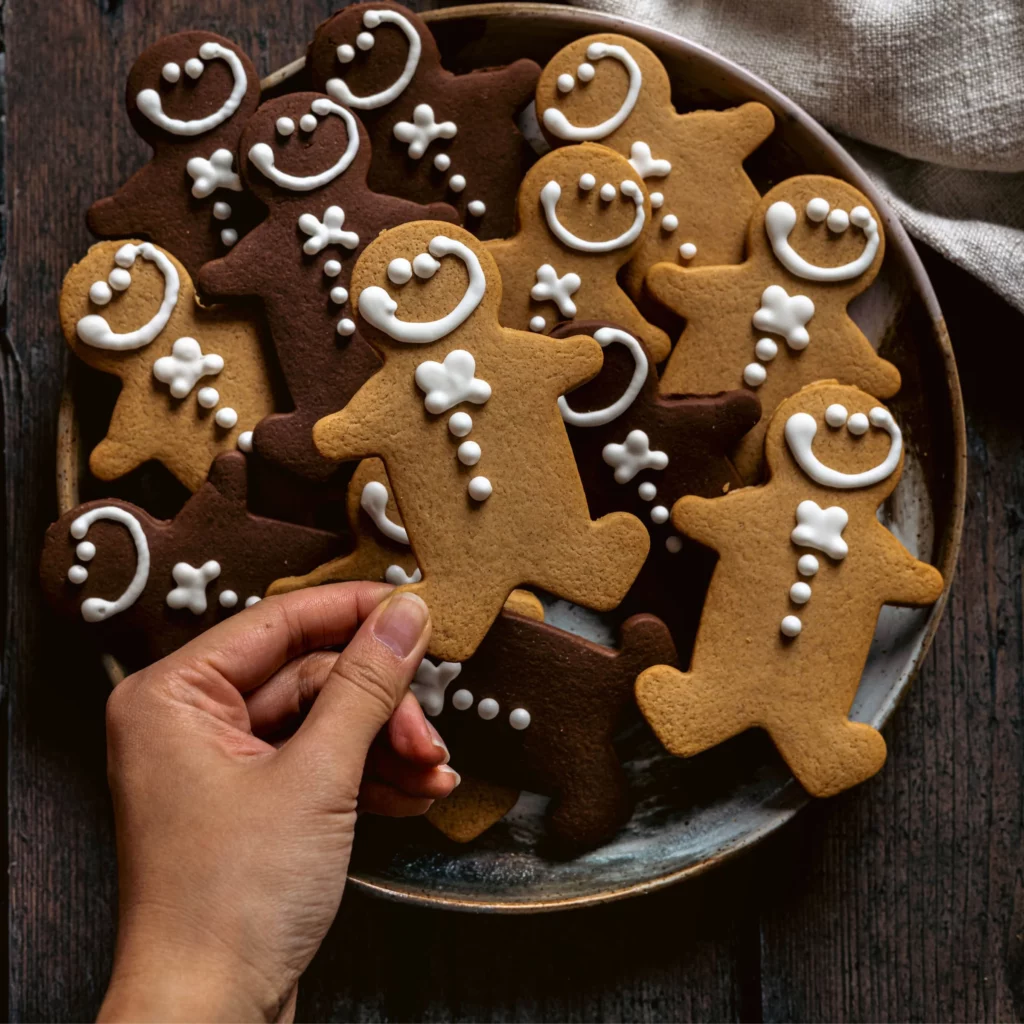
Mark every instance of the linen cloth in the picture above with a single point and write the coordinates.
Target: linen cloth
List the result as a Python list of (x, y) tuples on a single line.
[(927, 95)]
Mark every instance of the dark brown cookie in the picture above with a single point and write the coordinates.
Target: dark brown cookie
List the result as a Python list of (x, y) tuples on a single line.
[(189, 96), (306, 158), (146, 586), (435, 135)]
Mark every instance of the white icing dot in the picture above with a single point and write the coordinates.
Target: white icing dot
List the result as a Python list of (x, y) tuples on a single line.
[(807, 565), (669, 222), (119, 279), (442, 161), (766, 350), (399, 270), (477, 207), (674, 545), (100, 293), (425, 266), (607, 192), (480, 488), (226, 417), (208, 397), (245, 441), (817, 209), (221, 210), (365, 40), (227, 599), (835, 415), (857, 424), (647, 490), (838, 221), (585, 72), (565, 83), (460, 423), (656, 200), (754, 375), (345, 327), (308, 122), (469, 453), (86, 551), (462, 700), (519, 719), (339, 295), (800, 593), (285, 126), (78, 574), (332, 268), (171, 72), (861, 216), (587, 182), (250, 601), (488, 708), (194, 67), (791, 626), (229, 236), (659, 514), (537, 323), (456, 182), (687, 250), (345, 53)]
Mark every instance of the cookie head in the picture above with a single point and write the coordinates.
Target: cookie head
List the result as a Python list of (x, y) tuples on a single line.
[(820, 229), (298, 144), (591, 87), (368, 55), (188, 84), (839, 438), (419, 282), (587, 197)]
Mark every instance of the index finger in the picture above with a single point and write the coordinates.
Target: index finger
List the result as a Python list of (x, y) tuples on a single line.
[(248, 648)]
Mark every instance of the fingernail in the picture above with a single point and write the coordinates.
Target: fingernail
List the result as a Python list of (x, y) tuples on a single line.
[(435, 738), (401, 623), (448, 770)]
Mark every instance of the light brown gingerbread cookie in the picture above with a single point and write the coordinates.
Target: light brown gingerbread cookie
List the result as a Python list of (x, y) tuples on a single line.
[(583, 212), (465, 416), (779, 320), (804, 569), (471, 809), (194, 379), (613, 90)]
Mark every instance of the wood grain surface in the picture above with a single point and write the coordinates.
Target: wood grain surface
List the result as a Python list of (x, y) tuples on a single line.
[(902, 900)]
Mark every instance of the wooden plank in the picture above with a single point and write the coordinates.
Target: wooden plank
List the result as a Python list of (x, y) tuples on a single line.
[(907, 899)]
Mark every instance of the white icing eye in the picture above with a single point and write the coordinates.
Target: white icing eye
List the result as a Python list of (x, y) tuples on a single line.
[(442, 161), (462, 700), (332, 268), (250, 601), (456, 182), (171, 72), (673, 545), (647, 491), (308, 122), (469, 453), (425, 266), (100, 293), (221, 211), (125, 256), (659, 514), (607, 192), (791, 626), (78, 574), (119, 279), (800, 593), (227, 599), (838, 221), (519, 719), (399, 270), (477, 207), (587, 182), (480, 488), (285, 126), (807, 565), (345, 327), (565, 83), (245, 441), (817, 210), (687, 250), (345, 53), (861, 216), (228, 237), (766, 350), (537, 323), (857, 424), (194, 67), (657, 200), (669, 222), (339, 295), (86, 551), (754, 375), (835, 415), (226, 417), (365, 40), (585, 72), (488, 708), (460, 423), (208, 397)]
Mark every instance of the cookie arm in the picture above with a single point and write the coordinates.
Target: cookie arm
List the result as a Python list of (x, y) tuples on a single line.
[(515, 83), (673, 286), (560, 363), (747, 126), (239, 273), (362, 428), (907, 581), (709, 520)]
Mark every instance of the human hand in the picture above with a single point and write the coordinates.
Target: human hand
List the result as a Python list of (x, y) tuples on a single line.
[(235, 815)]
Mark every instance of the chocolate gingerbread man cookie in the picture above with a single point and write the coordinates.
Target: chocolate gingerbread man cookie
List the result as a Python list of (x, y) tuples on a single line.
[(305, 157), (779, 320), (144, 586), (189, 96), (613, 90), (804, 569), (465, 415), (583, 212), (435, 135)]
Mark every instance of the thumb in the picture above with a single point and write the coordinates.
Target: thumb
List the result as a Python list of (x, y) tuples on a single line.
[(364, 687)]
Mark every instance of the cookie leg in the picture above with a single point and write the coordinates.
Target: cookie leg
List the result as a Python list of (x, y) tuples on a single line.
[(593, 801)]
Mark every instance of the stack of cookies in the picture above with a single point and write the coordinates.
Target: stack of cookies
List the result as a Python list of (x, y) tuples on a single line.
[(596, 367)]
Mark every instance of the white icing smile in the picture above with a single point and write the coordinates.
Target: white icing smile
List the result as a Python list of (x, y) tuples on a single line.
[(779, 221), (598, 417), (800, 430), (96, 609), (552, 192), (337, 87)]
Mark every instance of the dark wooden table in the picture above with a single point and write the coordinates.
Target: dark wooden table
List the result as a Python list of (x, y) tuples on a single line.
[(902, 900)]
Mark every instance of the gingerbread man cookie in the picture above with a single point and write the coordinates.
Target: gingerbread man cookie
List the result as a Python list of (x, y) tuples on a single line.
[(779, 320), (583, 211), (305, 157), (435, 135), (613, 90), (194, 379), (144, 586), (465, 416), (189, 96), (804, 569)]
